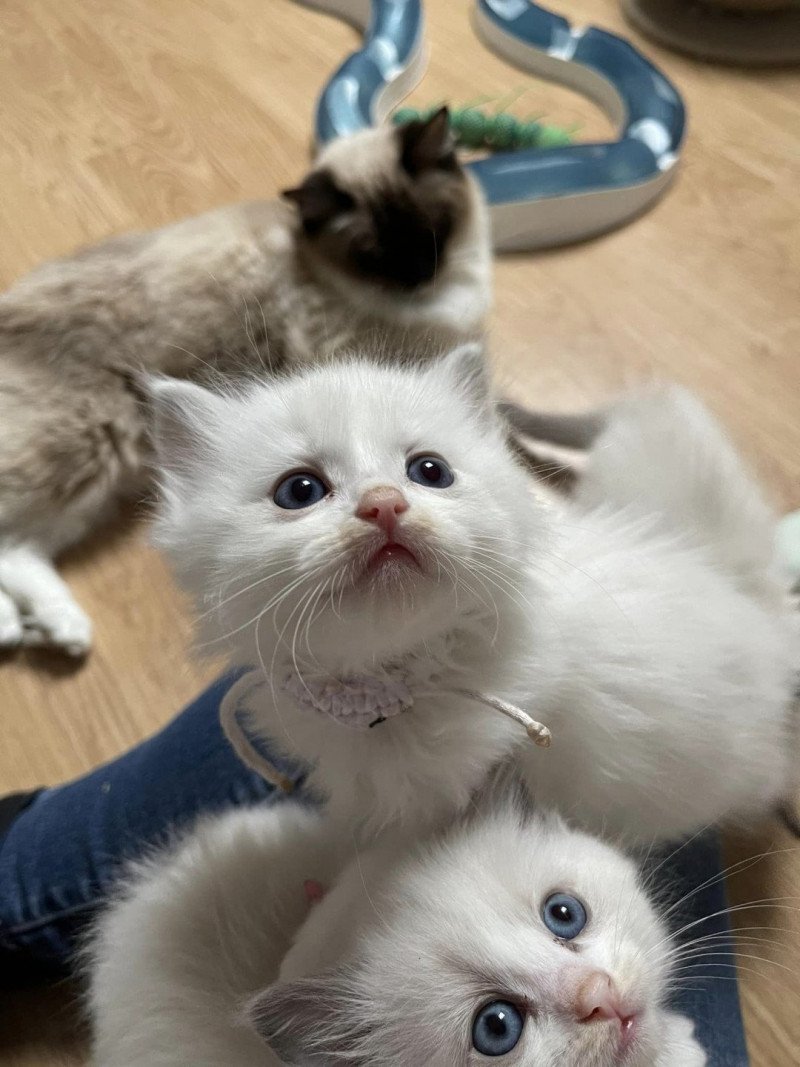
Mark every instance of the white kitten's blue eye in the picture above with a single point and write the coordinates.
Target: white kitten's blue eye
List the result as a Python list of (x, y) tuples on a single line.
[(431, 471), (564, 915), (300, 491), (497, 1028)]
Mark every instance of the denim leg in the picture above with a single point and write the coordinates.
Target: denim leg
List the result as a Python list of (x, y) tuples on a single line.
[(711, 1003), (63, 851)]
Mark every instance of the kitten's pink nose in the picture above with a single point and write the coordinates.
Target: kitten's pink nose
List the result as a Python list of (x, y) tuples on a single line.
[(381, 506), (598, 999)]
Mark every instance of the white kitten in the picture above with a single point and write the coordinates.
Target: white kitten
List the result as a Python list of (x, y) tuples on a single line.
[(471, 945), (363, 537)]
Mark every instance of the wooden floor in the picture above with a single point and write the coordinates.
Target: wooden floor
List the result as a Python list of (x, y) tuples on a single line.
[(123, 115)]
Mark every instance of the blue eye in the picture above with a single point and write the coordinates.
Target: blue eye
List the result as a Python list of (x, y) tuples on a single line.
[(564, 915), (430, 471), (300, 491), (497, 1028)]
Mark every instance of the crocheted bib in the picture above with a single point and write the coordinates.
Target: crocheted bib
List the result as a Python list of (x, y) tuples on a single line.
[(358, 701)]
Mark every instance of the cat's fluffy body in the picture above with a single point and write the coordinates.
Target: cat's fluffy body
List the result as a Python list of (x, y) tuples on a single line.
[(223, 294), (390, 968), (641, 622)]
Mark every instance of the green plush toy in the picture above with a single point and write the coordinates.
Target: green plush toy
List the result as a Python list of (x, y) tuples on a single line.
[(498, 131)]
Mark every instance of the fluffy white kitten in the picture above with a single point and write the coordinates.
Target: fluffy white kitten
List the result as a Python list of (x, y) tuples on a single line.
[(363, 537), (471, 945)]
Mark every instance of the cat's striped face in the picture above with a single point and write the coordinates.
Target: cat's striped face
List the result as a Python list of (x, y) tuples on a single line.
[(356, 506)]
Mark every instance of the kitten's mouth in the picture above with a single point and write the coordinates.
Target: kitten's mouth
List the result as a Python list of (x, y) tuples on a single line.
[(629, 1034), (391, 554)]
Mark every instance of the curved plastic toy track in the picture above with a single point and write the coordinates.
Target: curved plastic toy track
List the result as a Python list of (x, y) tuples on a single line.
[(541, 197)]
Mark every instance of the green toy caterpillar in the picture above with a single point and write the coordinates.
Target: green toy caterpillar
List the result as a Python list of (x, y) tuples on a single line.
[(498, 132)]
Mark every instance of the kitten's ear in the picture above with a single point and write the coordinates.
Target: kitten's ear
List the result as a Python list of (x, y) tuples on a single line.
[(465, 367), (319, 200), (306, 1022), (427, 144), (183, 416)]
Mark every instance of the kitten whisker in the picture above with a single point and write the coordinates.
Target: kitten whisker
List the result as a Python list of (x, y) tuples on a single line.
[(766, 904), (313, 615), (269, 368), (218, 605), (192, 355), (734, 933), (652, 873), (743, 968), (460, 580), (735, 868), (298, 607), (249, 333), (357, 852), (505, 585)]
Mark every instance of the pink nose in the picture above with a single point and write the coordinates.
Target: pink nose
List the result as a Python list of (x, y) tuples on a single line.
[(597, 998), (381, 506)]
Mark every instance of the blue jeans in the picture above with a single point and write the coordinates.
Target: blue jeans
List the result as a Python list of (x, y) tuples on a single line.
[(63, 851)]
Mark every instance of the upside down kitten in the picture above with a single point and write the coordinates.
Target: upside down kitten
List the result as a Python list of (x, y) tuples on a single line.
[(510, 936)]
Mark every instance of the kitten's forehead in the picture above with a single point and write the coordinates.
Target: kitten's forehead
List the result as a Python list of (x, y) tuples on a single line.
[(503, 870), (359, 411), (473, 909)]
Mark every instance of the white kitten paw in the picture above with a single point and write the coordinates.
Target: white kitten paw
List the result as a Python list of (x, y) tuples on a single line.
[(61, 625), (11, 630)]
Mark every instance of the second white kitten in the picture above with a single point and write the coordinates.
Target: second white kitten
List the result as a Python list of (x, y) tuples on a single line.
[(511, 936)]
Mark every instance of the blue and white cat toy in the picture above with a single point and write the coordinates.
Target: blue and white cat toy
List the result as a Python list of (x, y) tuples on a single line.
[(542, 197)]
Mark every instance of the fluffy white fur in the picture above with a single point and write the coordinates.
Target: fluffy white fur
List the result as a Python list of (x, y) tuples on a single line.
[(413, 948), (641, 621)]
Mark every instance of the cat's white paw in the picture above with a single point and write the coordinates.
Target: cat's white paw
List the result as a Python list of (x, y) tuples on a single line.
[(36, 605), (58, 624), (11, 630)]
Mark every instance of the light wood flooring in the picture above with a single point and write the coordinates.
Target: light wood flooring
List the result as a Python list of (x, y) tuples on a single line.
[(120, 115)]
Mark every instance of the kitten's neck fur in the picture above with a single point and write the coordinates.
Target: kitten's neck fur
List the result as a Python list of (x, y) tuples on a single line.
[(406, 794)]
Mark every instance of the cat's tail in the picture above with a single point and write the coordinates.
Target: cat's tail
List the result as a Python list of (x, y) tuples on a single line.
[(661, 453), (568, 430)]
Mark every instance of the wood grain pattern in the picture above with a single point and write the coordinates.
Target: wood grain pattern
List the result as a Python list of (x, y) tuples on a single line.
[(117, 116)]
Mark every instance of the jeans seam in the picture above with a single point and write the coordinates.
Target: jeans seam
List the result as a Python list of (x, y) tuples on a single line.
[(46, 920)]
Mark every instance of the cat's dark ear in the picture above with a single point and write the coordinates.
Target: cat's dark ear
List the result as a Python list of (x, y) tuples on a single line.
[(182, 416), (465, 367), (319, 200), (427, 144), (306, 1022)]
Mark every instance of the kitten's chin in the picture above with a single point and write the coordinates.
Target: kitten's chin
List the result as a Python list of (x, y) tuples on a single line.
[(389, 557), (394, 583), (639, 1040), (392, 569)]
